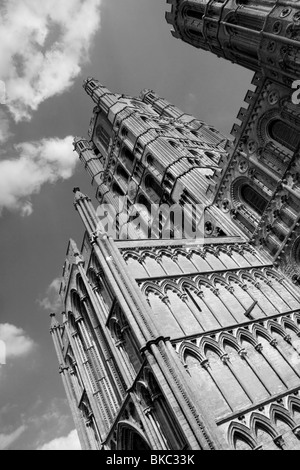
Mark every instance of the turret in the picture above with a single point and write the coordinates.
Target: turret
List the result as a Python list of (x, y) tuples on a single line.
[(145, 152), (86, 210), (259, 35)]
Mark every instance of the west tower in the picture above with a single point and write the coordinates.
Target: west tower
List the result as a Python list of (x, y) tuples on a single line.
[(172, 343), (260, 187)]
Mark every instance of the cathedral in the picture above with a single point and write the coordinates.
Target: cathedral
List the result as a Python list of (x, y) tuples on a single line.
[(181, 322)]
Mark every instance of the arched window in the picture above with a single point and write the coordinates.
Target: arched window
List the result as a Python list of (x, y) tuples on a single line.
[(103, 137), (264, 371), (122, 173), (254, 199), (124, 132), (229, 385), (131, 440), (265, 436), (206, 383), (128, 158), (241, 442), (255, 389), (174, 144), (151, 183), (117, 190), (284, 134)]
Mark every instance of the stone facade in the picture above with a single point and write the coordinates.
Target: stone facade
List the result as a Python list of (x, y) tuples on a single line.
[(185, 343)]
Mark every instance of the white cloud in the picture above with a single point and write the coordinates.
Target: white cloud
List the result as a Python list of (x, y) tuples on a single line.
[(70, 442), (17, 343), (37, 163), (43, 45), (52, 300), (6, 440)]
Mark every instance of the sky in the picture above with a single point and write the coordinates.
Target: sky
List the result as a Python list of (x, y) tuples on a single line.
[(47, 49)]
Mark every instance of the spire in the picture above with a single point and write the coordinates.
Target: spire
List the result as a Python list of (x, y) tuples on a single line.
[(79, 196), (73, 246), (93, 88), (90, 80), (101, 95), (84, 206), (54, 322), (75, 252), (64, 318), (76, 142)]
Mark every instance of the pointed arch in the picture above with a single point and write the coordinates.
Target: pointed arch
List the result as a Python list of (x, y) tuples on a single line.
[(115, 329), (151, 381), (258, 420), (217, 278), (76, 304), (186, 284), (293, 404), (213, 260), (131, 255), (165, 252), (172, 286), (242, 333), (272, 325), (269, 272), (143, 392), (209, 249), (203, 281), (234, 277), (242, 432), (189, 348), (289, 323), (248, 276), (259, 329), (277, 411), (197, 257), (259, 274), (149, 254), (209, 343), (130, 437), (101, 288), (208, 379), (227, 338), (72, 322), (180, 251), (81, 288), (149, 287)]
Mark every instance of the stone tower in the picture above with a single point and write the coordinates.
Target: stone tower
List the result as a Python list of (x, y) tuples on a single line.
[(174, 343), (260, 188)]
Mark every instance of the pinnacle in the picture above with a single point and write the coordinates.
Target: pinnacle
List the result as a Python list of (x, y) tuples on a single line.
[(79, 196), (54, 322)]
